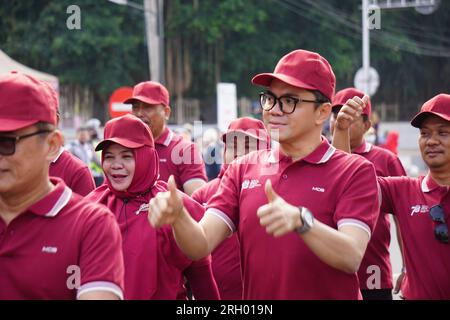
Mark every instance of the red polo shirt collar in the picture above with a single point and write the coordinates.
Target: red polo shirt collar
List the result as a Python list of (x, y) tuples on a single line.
[(61, 150), (365, 147), (166, 137), (320, 155), (54, 202), (429, 185)]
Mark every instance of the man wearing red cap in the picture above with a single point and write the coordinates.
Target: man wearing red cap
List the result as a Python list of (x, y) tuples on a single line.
[(375, 272), (304, 212), (177, 156), (418, 203), (74, 172), (53, 244), (243, 136)]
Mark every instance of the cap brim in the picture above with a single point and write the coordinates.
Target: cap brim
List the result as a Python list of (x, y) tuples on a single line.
[(419, 118), (265, 79), (250, 134), (142, 99), (123, 142), (13, 125)]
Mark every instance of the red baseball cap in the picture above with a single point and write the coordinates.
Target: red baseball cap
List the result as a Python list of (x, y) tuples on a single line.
[(25, 101), (439, 106), (302, 69), (127, 131), (249, 126), (342, 96), (150, 92)]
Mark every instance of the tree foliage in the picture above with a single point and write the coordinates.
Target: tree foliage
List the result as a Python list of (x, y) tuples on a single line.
[(207, 41)]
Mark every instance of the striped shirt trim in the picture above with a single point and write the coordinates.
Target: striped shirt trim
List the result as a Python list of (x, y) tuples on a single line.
[(331, 150), (100, 286), (221, 215), (169, 139), (61, 150), (355, 223), (61, 203)]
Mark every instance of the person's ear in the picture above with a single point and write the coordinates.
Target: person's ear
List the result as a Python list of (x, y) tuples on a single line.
[(167, 111), (323, 113), (367, 125), (55, 141)]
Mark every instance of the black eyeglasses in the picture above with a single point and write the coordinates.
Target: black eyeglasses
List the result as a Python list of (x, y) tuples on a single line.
[(440, 230), (287, 104), (8, 144)]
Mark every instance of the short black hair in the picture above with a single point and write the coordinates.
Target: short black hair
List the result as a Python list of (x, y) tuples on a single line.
[(44, 126), (320, 97)]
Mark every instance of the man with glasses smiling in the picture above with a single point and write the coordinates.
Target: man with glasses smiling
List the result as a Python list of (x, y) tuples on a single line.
[(53, 244), (422, 204), (304, 212)]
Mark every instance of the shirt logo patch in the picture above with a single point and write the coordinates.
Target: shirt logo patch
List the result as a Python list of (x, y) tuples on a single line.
[(318, 189), (250, 184), (143, 207), (48, 249), (420, 208), (162, 160)]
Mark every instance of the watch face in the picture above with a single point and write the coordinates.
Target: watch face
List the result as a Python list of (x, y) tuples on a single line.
[(308, 218)]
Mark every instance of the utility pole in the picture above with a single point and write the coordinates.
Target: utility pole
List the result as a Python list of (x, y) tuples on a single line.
[(154, 33), (366, 44), (155, 43)]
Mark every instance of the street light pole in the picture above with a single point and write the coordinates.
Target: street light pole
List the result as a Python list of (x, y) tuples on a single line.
[(154, 33), (366, 43)]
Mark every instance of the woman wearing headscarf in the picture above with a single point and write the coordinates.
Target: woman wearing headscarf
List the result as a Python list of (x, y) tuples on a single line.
[(154, 265)]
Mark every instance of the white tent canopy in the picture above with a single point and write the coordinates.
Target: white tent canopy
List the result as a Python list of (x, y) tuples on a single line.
[(7, 65)]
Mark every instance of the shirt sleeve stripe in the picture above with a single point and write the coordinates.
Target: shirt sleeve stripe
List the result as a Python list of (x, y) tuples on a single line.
[(100, 286), (193, 180), (222, 216), (355, 223)]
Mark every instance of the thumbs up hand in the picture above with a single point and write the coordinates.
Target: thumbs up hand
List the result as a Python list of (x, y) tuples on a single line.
[(351, 111), (166, 207), (278, 216)]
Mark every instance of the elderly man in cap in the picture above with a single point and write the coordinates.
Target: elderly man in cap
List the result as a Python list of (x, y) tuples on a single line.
[(177, 156), (303, 211), (53, 244), (420, 204), (375, 272)]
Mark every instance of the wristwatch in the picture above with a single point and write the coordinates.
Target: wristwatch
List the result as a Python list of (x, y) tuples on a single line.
[(307, 220)]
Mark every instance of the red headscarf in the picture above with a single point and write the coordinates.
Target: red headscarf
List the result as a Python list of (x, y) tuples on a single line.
[(127, 206), (132, 133)]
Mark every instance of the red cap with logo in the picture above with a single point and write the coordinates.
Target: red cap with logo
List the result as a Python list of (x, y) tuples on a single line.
[(150, 92), (302, 69), (251, 127), (25, 101), (127, 131), (344, 95), (438, 106)]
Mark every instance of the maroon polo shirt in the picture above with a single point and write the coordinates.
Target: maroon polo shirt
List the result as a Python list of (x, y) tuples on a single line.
[(339, 188), (427, 260), (179, 158), (154, 264), (377, 253), (226, 263), (73, 172), (59, 248)]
